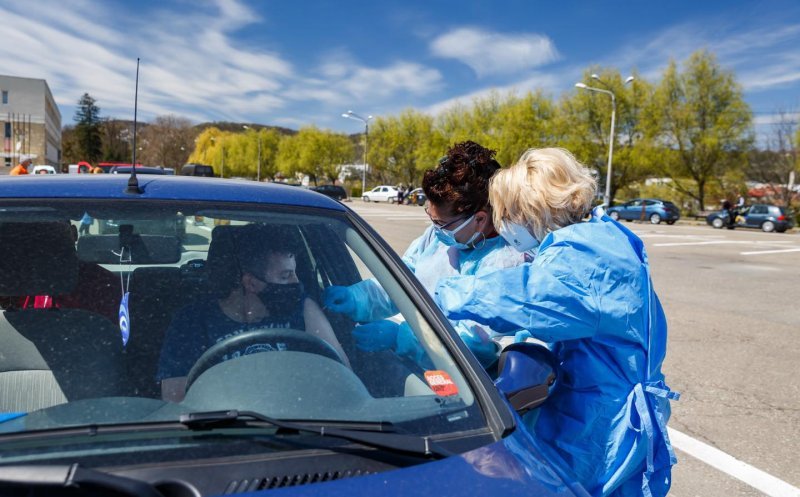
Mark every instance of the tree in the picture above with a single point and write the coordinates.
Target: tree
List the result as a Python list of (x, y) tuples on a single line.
[(584, 122), (403, 147), (116, 146), (701, 118), (87, 129), (167, 141), (314, 152), (775, 165)]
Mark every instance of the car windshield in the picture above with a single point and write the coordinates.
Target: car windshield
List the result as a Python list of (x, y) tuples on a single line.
[(106, 303)]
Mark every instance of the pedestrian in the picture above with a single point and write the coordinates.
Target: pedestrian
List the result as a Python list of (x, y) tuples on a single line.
[(97, 170), (727, 209), (86, 223), (21, 169), (461, 240), (400, 194), (588, 294)]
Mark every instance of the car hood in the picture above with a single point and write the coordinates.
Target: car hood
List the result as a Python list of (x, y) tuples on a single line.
[(512, 466)]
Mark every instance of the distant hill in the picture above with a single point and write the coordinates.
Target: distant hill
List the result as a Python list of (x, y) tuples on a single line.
[(237, 127)]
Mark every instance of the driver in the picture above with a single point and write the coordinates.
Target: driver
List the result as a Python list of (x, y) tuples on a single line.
[(267, 294)]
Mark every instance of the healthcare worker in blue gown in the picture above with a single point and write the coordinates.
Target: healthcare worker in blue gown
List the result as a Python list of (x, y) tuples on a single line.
[(588, 293), (461, 240)]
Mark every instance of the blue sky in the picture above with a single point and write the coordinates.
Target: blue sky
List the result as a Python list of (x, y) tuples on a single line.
[(295, 63)]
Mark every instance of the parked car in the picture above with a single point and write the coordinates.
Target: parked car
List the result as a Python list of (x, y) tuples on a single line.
[(416, 197), (766, 217), (43, 169), (646, 209), (142, 170), (202, 170), (333, 191), (264, 409), (383, 193)]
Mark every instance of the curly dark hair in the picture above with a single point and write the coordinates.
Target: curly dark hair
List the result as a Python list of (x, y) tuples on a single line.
[(462, 178)]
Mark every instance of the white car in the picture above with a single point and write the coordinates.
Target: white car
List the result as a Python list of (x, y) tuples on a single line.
[(382, 193), (43, 167)]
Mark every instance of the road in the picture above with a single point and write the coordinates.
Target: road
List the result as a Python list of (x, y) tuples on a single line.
[(732, 300)]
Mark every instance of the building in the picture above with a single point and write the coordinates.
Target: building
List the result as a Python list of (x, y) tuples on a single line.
[(30, 122)]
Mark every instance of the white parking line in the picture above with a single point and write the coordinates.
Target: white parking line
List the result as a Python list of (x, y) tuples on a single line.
[(710, 242), (761, 481), (759, 252)]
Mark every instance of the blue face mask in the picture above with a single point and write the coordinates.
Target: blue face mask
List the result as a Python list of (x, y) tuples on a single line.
[(518, 236), (448, 237)]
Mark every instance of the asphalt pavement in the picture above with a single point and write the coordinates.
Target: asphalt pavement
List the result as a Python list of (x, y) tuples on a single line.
[(732, 303)]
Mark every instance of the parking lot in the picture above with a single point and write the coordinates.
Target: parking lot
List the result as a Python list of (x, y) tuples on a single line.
[(731, 299)]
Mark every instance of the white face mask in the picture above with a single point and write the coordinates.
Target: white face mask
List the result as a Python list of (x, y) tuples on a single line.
[(518, 236)]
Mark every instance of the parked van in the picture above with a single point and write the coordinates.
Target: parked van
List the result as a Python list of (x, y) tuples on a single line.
[(197, 170)]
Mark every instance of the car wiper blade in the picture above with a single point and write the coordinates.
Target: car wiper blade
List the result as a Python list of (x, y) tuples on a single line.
[(74, 477), (392, 441)]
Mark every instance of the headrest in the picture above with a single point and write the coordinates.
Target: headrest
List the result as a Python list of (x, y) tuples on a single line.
[(142, 249), (37, 259)]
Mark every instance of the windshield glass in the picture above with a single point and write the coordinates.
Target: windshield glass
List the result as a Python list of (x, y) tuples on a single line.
[(129, 311)]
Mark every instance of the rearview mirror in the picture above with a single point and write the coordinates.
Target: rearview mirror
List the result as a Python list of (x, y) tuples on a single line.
[(527, 375)]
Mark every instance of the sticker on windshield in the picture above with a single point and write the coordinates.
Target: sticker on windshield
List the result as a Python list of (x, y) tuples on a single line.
[(441, 383)]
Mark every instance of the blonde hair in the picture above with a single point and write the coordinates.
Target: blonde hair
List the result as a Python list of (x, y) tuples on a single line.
[(545, 190)]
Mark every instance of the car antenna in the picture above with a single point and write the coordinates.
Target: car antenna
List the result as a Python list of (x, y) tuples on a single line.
[(133, 183)]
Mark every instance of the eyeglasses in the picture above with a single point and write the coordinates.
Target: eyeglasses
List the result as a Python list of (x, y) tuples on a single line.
[(444, 226)]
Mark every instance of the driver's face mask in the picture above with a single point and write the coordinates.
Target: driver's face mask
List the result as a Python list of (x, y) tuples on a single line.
[(281, 299)]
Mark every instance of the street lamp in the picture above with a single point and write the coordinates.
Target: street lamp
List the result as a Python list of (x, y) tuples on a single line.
[(582, 86), (258, 168), (352, 115)]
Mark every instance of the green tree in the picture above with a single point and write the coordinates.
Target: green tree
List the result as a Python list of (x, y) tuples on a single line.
[(314, 152), (87, 129), (267, 140), (210, 148), (584, 122), (402, 148), (700, 117), (116, 146)]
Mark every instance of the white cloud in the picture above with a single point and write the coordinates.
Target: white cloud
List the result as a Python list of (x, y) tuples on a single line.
[(493, 53)]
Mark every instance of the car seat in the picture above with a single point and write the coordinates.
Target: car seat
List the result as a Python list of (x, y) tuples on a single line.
[(51, 355)]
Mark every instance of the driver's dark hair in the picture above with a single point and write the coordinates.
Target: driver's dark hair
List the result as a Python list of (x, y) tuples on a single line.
[(256, 242), (461, 179)]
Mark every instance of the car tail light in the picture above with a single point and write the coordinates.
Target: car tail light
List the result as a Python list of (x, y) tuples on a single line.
[(781, 218)]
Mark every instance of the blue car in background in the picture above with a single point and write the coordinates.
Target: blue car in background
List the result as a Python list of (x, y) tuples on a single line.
[(263, 409), (646, 209), (766, 217)]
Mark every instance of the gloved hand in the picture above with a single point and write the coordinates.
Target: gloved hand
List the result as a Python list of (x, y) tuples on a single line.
[(482, 346), (377, 336), (339, 299), (522, 336)]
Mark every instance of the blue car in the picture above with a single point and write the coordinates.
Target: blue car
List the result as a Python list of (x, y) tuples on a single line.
[(139, 362), (646, 209), (766, 217)]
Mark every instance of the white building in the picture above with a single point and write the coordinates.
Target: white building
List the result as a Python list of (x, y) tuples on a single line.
[(30, 122)]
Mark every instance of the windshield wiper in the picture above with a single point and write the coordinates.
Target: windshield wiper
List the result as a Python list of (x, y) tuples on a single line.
[(392, 441), (72, 477)]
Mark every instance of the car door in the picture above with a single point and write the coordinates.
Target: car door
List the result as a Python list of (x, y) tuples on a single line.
[(757, 215), (632, 210), (375, 194), (384, 193)]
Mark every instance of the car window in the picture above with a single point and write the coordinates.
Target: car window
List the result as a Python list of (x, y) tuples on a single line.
[(758, 209), (635, 203), (177, 266)]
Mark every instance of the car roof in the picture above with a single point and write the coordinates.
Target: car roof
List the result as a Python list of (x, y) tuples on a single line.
[(162, 187)]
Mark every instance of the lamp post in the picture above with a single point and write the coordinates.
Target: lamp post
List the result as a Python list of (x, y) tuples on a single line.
[(582, 86), (352, 115), (258, 168)]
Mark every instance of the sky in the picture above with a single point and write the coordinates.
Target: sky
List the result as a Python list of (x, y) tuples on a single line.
[(298, 63)]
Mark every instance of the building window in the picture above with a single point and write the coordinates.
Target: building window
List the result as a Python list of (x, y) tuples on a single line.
[(7, 133), (5, 96), (8, 161)]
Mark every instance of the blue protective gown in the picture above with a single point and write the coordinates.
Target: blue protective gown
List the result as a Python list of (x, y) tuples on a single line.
[(588, 293), (431, 260)]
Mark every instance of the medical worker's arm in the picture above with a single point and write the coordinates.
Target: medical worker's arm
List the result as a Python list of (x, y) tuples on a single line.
[(367, 301), (550, 298)]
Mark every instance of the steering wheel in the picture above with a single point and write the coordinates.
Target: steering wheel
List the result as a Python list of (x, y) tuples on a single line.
[(257, 341)]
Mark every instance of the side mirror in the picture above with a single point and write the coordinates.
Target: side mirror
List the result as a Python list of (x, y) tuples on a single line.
[(527, 375)]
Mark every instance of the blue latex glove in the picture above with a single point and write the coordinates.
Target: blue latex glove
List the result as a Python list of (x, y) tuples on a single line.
[(377, 336), (482, 346), (522, 336), (339, 299)]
